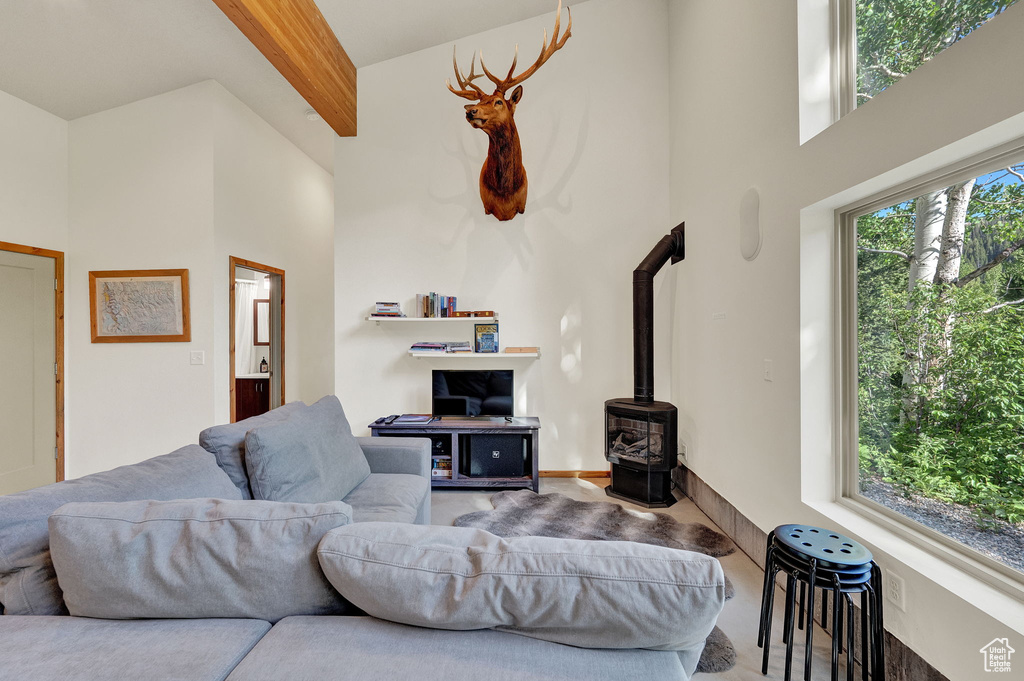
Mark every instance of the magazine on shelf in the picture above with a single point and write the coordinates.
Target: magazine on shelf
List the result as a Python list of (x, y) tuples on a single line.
[(486, 337)]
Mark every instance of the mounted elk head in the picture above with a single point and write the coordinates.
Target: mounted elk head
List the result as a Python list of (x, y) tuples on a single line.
[(503, 177)]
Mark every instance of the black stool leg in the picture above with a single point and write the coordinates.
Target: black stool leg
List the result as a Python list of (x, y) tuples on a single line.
[(835, 627), (838, 606), (809, 642), (790, 606), (849, 638), (879, 625), (769, 563), (824, 609), (803, 595), (864, 647), (768, 621)]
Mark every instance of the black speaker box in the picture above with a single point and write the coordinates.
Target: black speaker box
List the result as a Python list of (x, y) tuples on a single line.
[(497, 456)]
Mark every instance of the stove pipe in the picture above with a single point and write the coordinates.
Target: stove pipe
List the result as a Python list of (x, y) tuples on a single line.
[(670, 246)]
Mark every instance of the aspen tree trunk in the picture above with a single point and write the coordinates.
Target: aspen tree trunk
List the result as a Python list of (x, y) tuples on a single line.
[(929, 220), (947, 271)]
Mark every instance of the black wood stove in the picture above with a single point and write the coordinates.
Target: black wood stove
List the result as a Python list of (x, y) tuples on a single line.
[(641, 433)]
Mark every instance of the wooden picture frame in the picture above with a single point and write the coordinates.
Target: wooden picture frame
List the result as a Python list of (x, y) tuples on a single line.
[(139, 306), (261, 332)]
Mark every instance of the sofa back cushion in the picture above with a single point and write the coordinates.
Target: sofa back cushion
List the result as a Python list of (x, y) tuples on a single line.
[(227, 443), (309, 457), (194, 558), (589, 594), (28, 585)]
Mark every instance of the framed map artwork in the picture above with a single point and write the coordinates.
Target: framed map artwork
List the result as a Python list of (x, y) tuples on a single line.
[(139, 306)]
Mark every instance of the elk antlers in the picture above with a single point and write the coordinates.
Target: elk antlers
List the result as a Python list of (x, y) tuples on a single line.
[(470, 90)]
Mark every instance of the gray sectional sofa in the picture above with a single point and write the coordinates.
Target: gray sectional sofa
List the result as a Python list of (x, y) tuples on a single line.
[(203, 565)]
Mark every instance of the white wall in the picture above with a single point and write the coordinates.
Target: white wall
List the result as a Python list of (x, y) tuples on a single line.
[(275, 206), (186, 179), (33, 175), (142, 188), (594, 127), (735, 125)]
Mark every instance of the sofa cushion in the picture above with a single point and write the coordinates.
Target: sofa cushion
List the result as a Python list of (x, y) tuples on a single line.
[(309, 457), (28, 585), (80, 649), (391, 497), (227, 443), (194, 558), (368, 649), (593, 594)]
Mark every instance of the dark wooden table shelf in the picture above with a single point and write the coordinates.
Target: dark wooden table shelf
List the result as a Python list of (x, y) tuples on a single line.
[(454, 437)]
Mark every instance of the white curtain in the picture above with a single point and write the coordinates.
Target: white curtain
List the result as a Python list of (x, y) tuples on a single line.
[(245, 294)]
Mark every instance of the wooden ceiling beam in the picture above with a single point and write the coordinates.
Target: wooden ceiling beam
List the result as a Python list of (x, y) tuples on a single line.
[(294, 36)]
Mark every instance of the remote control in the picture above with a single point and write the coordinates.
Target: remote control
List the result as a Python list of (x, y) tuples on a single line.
[(381, 419), (390, 419)]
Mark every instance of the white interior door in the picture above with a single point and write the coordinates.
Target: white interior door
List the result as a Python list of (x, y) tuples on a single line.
[(28, 411)]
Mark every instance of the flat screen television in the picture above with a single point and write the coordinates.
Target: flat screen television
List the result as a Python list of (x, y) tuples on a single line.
[(472, 393)]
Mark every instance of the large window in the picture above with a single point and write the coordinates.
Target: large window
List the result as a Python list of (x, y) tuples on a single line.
[(937, 280), (894, 37)]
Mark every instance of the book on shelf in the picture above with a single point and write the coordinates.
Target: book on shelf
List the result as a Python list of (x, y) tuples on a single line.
[(486, 336), (428, 346), (441, 347), (387, 309), (434, 305)]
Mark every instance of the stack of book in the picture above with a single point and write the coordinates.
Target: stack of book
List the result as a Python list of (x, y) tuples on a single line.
[(429, 346), (388, 310), (460, 346), (440, 466), (434, 305)]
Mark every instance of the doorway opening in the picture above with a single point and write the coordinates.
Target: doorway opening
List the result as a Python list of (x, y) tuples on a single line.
[(32, 345), (256, 338)]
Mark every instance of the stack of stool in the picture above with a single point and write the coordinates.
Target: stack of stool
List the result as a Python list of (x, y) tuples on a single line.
[(825, 560)]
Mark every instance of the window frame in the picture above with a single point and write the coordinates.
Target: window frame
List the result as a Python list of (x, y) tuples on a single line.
[(847, 471)]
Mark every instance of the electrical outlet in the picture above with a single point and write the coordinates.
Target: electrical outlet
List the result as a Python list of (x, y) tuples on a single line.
[(769, 374), (197, 357), (896, 590)]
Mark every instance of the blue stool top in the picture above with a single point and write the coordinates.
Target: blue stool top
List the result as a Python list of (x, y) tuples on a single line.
[(826, 546)]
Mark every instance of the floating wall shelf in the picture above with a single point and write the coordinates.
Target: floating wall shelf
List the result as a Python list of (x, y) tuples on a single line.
[(476, 355), (392, 320)]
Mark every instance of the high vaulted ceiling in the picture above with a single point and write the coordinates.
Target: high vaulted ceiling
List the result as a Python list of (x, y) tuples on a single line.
[(77, 57)]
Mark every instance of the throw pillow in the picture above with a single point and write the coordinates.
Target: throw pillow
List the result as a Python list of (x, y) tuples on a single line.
[(194, 558), (227, 443), (309, 457), (590, 594), (28, 584)]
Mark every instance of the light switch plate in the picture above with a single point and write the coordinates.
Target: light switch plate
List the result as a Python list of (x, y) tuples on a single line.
[(197, 357)]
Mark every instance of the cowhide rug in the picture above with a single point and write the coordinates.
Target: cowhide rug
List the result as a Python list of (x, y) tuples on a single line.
[(520, 513)]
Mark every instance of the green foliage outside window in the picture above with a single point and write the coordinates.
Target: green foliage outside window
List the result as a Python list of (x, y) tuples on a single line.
[(894, 37), (941, 345)]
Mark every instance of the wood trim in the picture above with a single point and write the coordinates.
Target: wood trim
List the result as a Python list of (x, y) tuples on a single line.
[(575, 474), (186, 326), (234, 262), (58, 345), (294, 36), (256, 320)]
